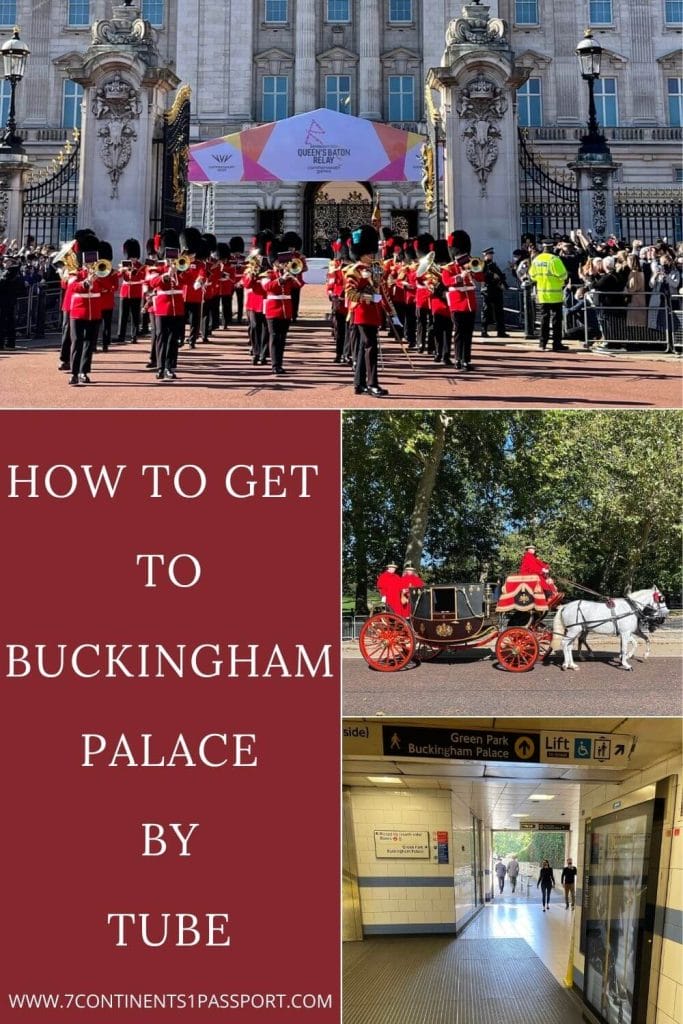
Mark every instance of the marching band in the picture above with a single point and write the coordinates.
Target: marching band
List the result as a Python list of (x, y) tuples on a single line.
[(423, 290)]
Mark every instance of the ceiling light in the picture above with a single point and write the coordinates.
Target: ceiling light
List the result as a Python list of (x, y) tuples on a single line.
[(542, 796), (385, 780), (519, 815)]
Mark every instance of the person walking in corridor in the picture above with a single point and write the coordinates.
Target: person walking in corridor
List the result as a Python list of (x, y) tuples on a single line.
[(500, 871), (569, 882), (513, 871), (546, 880)]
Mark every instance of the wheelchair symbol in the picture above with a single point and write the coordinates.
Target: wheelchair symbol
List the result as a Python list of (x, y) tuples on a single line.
[(582, 748)]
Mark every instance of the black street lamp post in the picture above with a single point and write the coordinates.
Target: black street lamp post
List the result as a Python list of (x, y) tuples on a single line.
[(593, 145), (14, 56)]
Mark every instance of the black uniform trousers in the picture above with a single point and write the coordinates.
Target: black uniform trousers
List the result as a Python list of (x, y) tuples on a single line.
[(277, 336), (410, 325), (210, 316), (8, 331), (225, 304), (443, 333), (238, 296), (258, 336), (129, 308), (65, 348), (492, 310), (169, 330), (296, 299), (154, 331), (106, 328), (83, 339), (341, 346), (425, 330), (366, 360), (551, 323), (193, 314), (463, 327)]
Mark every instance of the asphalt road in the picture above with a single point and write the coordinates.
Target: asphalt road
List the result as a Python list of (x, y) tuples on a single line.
[(472, 684), (509, 373)]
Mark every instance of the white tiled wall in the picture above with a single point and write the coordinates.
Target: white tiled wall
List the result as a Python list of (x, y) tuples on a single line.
[(667, 997), (402, 905)]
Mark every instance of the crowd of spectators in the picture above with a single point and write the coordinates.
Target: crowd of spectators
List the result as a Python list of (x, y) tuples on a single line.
[(615, 289), (24, 269)]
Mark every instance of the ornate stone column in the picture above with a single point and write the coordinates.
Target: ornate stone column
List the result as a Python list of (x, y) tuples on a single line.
[(305, 66), (14, 168), (477, 80), (124, 97), (369, 66)]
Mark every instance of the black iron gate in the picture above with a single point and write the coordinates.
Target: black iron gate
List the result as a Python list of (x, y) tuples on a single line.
[(175, 160), (50, 203), (549, 203), (649, 214), (327, 219)]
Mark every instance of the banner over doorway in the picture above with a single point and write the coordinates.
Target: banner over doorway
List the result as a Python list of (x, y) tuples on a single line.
[(321, 145)]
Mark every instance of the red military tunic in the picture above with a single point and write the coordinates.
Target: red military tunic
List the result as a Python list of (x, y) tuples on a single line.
[(409, 580), (531, 564), (83, 298), (168, 297), (226, 278), (108, 287), (192, 280), (132, 281), (363, 301), (255, 293), (390, 585), (277, 303), (462, 294)]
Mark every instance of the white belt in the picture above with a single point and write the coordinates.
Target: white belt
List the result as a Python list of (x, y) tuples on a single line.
[(463, 288), (171, 291), (278, 297), (87, 295)]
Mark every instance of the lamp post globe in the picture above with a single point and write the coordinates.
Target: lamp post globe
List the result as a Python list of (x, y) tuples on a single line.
[(15, 54)]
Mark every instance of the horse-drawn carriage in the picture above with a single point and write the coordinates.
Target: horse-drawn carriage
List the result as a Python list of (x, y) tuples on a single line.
[(467, 615), (459, 616)]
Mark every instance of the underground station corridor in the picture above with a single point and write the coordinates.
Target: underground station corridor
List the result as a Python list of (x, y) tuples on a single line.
[(446, 824)]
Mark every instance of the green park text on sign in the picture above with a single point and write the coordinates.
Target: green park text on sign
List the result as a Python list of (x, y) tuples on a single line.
[(460, 744)]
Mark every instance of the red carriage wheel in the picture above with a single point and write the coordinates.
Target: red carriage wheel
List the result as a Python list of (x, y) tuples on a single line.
[(544, 638), (425, 651), (387, 642), (517, 649)]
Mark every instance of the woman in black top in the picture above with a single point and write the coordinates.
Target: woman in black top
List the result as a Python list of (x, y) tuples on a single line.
[(546, 880)]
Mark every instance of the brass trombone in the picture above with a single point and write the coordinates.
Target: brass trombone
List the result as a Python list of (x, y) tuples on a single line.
[(101, 268)]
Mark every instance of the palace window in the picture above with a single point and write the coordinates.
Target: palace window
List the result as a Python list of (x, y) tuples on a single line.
[(530, 104), (600, 12), (72, 97), (400, 10), (401, 98), (526, 12), (338, 10), (606, 102), (276, 11), (275, 96), (8, 12), (338, 93), (78, 14), (153, 12), (673, 12), (674, 88), (5, 93)]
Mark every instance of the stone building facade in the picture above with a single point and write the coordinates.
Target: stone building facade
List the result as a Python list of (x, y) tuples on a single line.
[(247, 61)]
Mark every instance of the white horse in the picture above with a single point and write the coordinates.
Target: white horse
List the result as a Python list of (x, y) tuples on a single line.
[(624, 617)]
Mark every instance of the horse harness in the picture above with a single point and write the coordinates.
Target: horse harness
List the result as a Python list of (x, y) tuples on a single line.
[(642, 617)]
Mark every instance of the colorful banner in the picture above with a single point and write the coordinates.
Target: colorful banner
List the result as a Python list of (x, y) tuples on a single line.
[(322, 145)]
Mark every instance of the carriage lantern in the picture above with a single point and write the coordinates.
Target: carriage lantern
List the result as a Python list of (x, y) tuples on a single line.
[(15, 53)]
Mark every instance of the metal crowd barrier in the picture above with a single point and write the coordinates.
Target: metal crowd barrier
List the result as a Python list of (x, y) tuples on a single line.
[(656, 321), (352, 625), (38, 312)]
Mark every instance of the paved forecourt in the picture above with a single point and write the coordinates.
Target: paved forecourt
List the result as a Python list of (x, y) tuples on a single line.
[(508, 373)]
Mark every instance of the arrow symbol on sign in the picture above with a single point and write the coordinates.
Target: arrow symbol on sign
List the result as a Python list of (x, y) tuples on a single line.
[(395, 742), (524, 747), (620, 749)]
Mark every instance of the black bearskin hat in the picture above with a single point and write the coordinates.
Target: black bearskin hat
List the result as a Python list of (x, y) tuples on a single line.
[(291, 240), (274, 247), (190, 240), (263, 241), (131, 249), (223, 250), (459, 243), (105, 251), (423, 244), (85, 241), (441, 253), (152, 245), (168, 240), (364, 241), (202, 249), (236, 243), (210, 240)]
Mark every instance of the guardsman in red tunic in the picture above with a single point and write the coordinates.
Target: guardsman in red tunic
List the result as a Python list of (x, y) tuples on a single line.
[(292, 241), (364, 301), (209, 276), (194, 248), (83, 300), (424, 244), (226, 282), (237, 260), (279, 286), (462, 296), (132, 279), (409, 288), (335, 293), (390, 585), (256, 265), (67, 269), (438, 304), (109, 285), (169, 314)]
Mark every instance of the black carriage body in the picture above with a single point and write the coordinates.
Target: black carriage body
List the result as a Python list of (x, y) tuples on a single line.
[(451, 616)]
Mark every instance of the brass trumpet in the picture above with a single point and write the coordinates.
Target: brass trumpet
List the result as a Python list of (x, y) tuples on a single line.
[(102, 268), (181, 264), (475, 266)]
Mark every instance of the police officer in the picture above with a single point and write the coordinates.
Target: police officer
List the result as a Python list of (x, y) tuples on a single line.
[(549, 274), (492, 295)]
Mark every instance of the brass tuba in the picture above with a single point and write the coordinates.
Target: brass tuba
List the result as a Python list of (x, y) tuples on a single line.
[(427, 269), (67, 256)]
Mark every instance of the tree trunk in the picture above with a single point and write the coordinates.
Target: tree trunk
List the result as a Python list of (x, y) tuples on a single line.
[(361, 560), (425, 487)]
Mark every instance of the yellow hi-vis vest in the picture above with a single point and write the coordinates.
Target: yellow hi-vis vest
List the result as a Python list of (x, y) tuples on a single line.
[(549, 274)]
